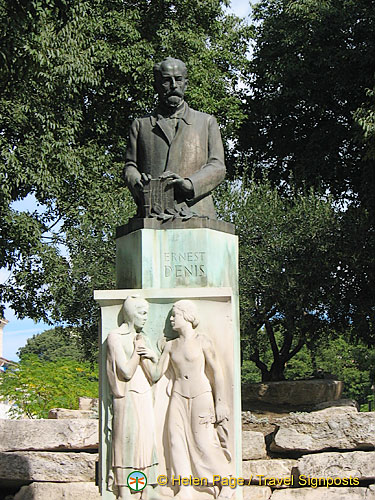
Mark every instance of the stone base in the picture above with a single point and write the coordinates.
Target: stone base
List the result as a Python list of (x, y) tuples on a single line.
[(196, 222), (218, 321), (192, 258)]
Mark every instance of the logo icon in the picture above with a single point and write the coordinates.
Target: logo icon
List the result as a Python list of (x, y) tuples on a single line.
[(137, 480)]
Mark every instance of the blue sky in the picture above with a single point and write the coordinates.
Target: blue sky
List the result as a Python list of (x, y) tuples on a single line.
[(240, 7), (16, 332)]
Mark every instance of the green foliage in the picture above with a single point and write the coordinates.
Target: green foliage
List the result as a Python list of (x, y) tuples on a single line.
[(36, 386), (351, 362), (74, 75), (52, 345), (306, 269), (287, 269), (310, 113), (310, 123)]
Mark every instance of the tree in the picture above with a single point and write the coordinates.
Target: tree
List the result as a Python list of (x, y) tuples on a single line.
[(288, 270), (74, 76), (36, 386), (340, 357), (310, 123), (54, 344), (311, 79)]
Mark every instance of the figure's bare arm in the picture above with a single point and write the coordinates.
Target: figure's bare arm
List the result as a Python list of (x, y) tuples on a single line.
[(125, 368), (148, 359), (155, 370), (221, 409)]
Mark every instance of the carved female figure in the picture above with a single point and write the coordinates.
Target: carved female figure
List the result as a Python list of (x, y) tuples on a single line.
[(133, 436), (197, 406)]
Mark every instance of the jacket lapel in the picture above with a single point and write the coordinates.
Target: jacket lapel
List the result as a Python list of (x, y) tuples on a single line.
[(163, 125)]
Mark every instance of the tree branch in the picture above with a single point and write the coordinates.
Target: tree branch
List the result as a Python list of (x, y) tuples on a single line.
[(298, 347), (256, 359), (271, 337)]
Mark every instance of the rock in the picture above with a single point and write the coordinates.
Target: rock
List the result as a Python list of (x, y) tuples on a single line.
[(47, 466), (324, 494), (358, 464), (253, 445), (256, 492), (80, 434), (59, 413), (261, 421), (292, 393), (88, 403), (336, 410), (339, 403), (52, 491), (321, 431), (278, 468)]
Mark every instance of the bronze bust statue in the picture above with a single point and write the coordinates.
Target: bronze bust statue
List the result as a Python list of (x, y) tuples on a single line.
[(175, 156)]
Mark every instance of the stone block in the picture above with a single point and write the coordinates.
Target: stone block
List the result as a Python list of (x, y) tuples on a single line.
[(278, 468), (66, 413), (321, 431), (359, 464), (253, 445), (58, 491), (44, 434), (47, 466), (339, 403), (218, 313), (256, 492), (292, 393), (324, 494), (172, 258), (88, 403)]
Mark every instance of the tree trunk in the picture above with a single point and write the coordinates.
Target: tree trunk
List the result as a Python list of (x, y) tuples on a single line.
[(275, 373)]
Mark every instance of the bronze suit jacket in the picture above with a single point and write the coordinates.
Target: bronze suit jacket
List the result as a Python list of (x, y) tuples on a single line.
[(195, 152)]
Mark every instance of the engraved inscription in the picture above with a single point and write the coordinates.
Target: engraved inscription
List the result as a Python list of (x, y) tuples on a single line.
[(184, 264)]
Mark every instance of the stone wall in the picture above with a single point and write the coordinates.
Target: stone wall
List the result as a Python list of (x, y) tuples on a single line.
[(285, 457), (48, 459), (320, 455)]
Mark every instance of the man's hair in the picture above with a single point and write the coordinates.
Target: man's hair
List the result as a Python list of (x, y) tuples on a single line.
[(171, 61)]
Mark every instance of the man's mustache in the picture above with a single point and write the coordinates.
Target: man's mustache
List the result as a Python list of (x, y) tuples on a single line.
[(175, 92)]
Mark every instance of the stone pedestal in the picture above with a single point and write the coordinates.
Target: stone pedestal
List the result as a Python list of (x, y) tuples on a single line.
[(196, 260), (202, 256)]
